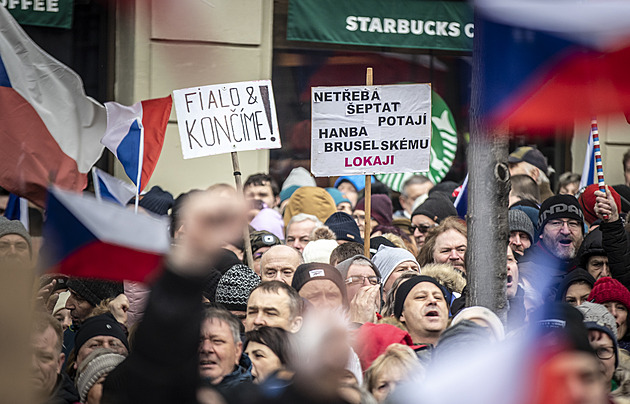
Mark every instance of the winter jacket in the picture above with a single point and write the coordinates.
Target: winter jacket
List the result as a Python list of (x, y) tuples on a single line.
[(64, 391), (545, 269), (615, 243), (241, 374), (138, 295)]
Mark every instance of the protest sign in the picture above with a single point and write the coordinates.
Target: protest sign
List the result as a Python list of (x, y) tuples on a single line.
[(226, 118), (370, 129)]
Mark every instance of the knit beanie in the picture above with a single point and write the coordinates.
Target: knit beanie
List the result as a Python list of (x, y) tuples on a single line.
[(559, 207), (260, 239), (270, 220), (14, 227), (588, 199), (235, 286), (319, 251), (381, 208), (344, 265), (518, 221), (357, 181), (597, 317), (607, 289), (286, 193), (157, 201), (299, 177), (577, 275), (377, 242), (337, 196), (94, 290), (405, 288), (437, 207), (101, 325), (344, 226), (560, 328), (315, 271), (388, 258), (97, 364), (486, 315), (311, 200)]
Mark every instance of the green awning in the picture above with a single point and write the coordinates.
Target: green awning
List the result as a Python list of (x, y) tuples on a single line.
[(45, 13), (392, 23)]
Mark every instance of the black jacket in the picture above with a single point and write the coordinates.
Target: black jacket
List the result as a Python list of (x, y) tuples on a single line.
[(64, 391), (617, 247)]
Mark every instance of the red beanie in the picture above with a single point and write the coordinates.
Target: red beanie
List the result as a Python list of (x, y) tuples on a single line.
[(609, 290), (381, 208), (587, 201)]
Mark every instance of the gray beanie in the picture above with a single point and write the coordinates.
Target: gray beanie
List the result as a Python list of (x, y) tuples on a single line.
[(519, 221), (14, 227), (97, 364), (235, 286), (597, 317), (388, 258)]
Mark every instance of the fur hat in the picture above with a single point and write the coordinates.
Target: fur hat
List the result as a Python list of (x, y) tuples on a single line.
[(104, 324), (235, 286), (97, 364), (388, 258), (519, 221), (588, 199), (609, 290), (344, 226), (14, 227), (559, 207), (94, 290), (381, 208)]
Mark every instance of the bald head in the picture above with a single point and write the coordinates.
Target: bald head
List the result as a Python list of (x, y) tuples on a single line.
[(279, 263)]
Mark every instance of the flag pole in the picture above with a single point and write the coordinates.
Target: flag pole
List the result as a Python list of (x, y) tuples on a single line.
[(369, 81), (140, 161), (598, 158), (239, 189)]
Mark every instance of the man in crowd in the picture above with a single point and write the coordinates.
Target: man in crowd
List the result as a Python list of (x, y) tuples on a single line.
[(521, 231), (414, 187), (263, 188), (102, 331), (299, 230), (15, 244), (421, 304), (321, 285), (530, 161), (261, 242), (274, 304), (280, 263), (49, 383), (221, 360), (446, 244), (429, 214)]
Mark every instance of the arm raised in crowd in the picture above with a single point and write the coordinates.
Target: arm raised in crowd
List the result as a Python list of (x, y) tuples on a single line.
[(614, 239), (163, 365)]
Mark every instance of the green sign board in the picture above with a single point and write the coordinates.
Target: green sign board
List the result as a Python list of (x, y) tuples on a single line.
[(392, 23), (45, 13), (443, 146)]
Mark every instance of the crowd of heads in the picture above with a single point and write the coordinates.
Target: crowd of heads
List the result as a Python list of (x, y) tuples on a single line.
[(312, 308)]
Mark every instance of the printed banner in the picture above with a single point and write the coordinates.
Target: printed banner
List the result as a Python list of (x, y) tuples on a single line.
[(45, 13), (370, 130), (226, 118)]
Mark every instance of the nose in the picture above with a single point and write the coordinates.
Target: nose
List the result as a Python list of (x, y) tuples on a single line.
[(565, 228), (278, 276), (259, 320), (416, 232), (453, 255), (296, 244), (206, 346), (516, 240), (606, 270)]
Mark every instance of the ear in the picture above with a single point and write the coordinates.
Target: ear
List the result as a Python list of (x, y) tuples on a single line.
[(62, 358), (402, 317), (276, 201), (239, 351), (534, 174), (296, 325)]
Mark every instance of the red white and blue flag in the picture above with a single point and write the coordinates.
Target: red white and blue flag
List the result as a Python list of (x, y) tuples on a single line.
[(135, 135), (97, 239), (109, 188), (546, 64), (50, 130)]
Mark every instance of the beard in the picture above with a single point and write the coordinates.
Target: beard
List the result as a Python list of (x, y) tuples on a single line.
[(559, 247)]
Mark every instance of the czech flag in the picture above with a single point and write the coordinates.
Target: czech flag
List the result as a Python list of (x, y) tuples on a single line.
[(110, 188), (461, 200), (135, 135), (50, 131), (546, 64), (97, 239), (588, 170)]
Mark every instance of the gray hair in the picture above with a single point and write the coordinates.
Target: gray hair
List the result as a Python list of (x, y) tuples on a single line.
[(214, 313), (300, 217), (413, 180)]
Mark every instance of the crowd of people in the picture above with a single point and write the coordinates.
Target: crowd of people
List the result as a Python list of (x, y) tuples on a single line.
[(312, 318)]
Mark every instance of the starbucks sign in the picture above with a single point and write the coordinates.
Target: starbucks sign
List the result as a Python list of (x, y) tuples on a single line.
[(443, 146)]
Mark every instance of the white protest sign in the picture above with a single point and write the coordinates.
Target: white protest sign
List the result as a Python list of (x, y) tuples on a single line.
[(226, 118), (370, 130)]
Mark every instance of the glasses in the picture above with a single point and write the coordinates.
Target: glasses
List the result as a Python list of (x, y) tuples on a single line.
[(374, 280), (557, 224), (605, 352), (423, 228)]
